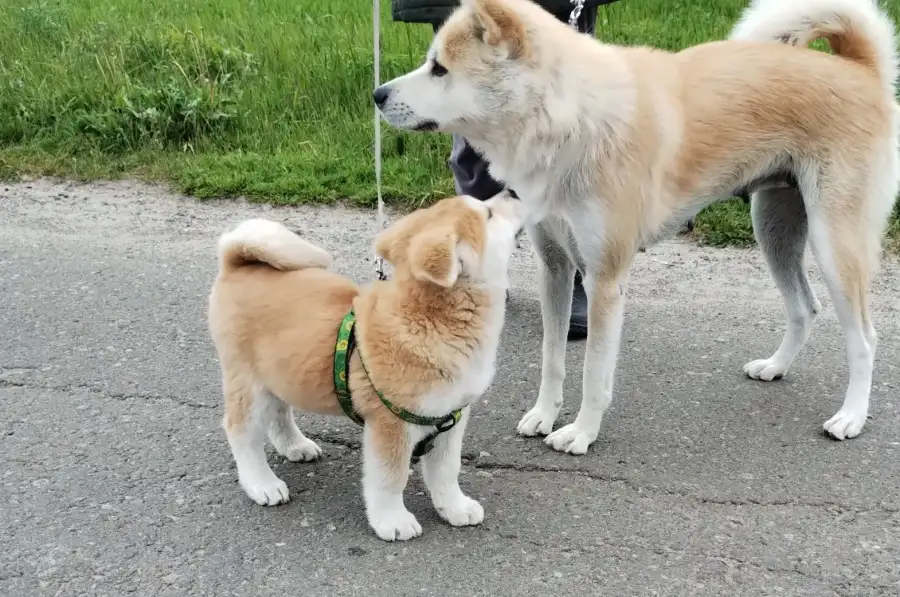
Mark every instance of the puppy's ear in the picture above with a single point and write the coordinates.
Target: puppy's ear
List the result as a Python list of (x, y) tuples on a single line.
[(500, 26), (387, 244), (432, 257)]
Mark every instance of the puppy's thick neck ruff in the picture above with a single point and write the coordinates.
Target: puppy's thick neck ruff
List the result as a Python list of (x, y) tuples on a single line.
[(342, 352), (419, 322)]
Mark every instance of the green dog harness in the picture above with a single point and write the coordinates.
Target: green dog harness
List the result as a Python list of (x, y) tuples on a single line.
[(346, 341)]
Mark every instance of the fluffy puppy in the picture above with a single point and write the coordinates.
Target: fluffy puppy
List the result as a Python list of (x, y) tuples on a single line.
[(426, 340)]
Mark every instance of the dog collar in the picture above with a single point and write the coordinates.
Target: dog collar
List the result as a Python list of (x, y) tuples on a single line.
[(346, 341)]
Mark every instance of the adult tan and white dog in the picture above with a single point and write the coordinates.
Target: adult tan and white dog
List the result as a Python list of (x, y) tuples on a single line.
[(612, 147), (427, 338)]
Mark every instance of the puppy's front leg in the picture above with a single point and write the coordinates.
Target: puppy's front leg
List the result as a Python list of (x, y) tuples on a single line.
[(606, 301), (440, 469), (387, 450)]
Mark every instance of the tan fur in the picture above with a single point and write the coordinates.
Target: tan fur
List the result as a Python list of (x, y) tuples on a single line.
[(279, 328), (501, 25), (729, 116), (280, 249), (274, 314)]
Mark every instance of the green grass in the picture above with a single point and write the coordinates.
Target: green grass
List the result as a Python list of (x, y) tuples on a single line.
[(264, 98)]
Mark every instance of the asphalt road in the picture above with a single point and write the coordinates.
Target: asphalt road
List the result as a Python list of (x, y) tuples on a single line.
[(117, 479)]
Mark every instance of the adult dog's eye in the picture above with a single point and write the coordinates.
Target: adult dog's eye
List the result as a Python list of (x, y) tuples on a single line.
[(438, 70)]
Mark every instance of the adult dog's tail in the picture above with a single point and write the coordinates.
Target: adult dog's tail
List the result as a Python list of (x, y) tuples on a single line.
[(856, 30), (268, 242)]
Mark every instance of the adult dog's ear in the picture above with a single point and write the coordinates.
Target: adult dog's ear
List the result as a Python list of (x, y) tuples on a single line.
[(432, 257), (500, 26)]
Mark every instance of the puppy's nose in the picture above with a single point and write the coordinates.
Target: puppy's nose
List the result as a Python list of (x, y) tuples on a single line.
[(380, 96)]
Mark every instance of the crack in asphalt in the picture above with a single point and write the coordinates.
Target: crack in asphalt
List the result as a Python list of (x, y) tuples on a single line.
[(9, 383), (835, 507), (631, 484), (472, 457)]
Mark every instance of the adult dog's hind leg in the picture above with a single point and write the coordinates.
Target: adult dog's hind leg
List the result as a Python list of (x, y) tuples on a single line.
[(845, 243), (556, 274), (780, 226)]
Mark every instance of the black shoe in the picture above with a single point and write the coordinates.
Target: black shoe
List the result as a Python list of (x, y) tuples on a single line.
[(578, 322)]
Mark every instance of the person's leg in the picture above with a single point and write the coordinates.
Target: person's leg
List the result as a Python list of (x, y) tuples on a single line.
[(470, 172)]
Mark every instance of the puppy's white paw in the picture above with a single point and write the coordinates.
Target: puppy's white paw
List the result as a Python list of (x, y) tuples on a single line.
[(765, 369), (302, 450), (537, 421), (845, 424), (267, 492), (571, 439), (399, 525), (462, 513)]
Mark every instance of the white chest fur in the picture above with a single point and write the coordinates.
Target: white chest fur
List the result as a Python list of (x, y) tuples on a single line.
[(476, 372)]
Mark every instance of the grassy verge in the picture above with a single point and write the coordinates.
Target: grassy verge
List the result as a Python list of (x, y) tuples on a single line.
[(264, 98)]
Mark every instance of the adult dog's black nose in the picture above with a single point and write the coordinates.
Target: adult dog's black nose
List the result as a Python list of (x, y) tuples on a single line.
[(380, 96)]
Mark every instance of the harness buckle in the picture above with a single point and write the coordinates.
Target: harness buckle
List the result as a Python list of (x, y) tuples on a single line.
[(447, 423)]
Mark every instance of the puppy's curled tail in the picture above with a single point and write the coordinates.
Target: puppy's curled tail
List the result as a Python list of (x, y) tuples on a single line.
[(856, 29), (268, 242)]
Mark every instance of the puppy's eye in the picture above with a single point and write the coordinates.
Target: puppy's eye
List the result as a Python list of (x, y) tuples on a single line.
[(438, 70), (490, 213)]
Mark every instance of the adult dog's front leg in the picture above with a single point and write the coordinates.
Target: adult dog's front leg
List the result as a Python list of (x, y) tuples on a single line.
[(606, 299), (556, 274)]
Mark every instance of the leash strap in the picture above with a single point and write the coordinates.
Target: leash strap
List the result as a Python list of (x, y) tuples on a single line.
[(342, 350), (376, 69)]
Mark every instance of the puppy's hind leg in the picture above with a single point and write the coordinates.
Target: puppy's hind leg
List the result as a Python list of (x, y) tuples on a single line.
[(248, 414), (780, 225), (287, 438), (556, 279)]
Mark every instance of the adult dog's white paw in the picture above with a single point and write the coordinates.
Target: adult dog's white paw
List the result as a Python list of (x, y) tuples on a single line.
[(399, 525), (462, 513), (303, 450), (845, 424), (267, 492), (537, 421), (571, 439), (765, 369)]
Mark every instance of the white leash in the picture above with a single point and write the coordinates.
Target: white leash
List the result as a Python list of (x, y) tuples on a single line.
[(577, 7), (376, 68)]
